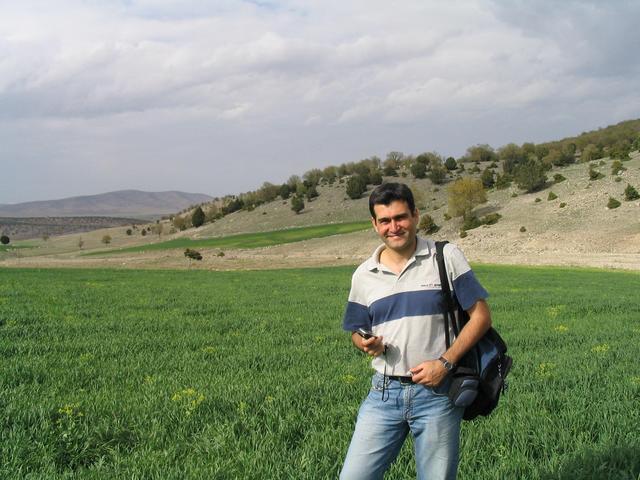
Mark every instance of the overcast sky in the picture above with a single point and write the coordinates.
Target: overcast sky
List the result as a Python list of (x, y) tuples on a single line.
[(217, 97)]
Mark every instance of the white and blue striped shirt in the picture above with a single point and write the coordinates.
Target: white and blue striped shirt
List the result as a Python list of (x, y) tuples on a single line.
[(407, 309)]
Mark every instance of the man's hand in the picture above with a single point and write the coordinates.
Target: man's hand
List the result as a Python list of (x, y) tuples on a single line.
[(372, 346), (430, 373)]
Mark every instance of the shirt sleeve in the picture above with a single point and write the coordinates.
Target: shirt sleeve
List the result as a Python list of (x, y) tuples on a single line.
[(466, 287), (356, 314)]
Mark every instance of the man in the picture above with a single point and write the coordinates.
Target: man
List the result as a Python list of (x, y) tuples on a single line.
[(396, 295)]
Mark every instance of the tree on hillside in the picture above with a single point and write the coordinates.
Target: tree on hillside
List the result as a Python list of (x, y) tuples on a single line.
[(311, 192), (285, 191), (376, 178), (590, 152), (450, 163), (4, 240), (356, 186), (180, 222), (330, 174), (531, 176), (313, 176), (80, 243), (158, 228), (106, 239), (419, 169), (438, 174), (464, 195), (297, 204), (293, 182), (481, 153), (487, 178), (197, 218)]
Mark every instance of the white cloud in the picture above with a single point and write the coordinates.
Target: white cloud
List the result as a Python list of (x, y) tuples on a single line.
[(314, 69)]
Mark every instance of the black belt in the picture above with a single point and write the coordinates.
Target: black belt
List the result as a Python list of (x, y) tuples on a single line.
[(401, 379)]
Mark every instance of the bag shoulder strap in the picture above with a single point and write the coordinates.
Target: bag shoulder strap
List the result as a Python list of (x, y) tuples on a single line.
[(446, 292)]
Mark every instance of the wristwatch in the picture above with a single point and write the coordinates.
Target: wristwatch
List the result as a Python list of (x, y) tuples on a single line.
[(447, 364)]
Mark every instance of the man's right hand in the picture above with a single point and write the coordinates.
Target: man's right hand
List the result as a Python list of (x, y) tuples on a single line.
[(372, 346)]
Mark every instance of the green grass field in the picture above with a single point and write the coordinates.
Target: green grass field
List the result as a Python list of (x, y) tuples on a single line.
[(11, 246), (249, 240), (247, 375)]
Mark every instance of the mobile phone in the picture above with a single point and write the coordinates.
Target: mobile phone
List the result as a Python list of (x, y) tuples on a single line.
[(366, 334)]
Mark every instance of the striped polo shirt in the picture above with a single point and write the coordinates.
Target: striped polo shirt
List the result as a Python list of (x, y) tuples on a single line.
[(406, 309)]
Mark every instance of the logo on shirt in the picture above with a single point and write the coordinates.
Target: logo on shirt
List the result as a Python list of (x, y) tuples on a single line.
[(430, 285)]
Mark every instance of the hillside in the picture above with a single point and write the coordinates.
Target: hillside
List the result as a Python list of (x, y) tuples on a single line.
[(122, 203), (583, 232)]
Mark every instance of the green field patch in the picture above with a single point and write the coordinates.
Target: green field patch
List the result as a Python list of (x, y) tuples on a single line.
[(198, 374), (10, 247), (248, 240)]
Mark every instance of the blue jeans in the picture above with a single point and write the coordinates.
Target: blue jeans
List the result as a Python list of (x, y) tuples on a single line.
[(382, 427)]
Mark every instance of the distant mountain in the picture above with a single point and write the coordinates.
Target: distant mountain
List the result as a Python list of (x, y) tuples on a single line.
[(123, 203)]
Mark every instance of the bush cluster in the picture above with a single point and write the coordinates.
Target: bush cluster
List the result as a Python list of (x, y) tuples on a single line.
[(630, 193), (192, 254)]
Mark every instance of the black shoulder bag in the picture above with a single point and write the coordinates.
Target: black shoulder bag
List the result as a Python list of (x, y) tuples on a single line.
[(480, 376)]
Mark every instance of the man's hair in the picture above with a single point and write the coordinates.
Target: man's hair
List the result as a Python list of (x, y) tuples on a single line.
[(390, 192)]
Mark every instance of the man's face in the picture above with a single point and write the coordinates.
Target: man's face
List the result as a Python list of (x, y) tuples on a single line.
[(396, 225)]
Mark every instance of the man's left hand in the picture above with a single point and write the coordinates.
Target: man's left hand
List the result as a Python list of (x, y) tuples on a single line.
[(430, 373)]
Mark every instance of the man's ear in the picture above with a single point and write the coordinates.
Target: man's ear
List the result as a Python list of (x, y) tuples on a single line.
[(374, 223)]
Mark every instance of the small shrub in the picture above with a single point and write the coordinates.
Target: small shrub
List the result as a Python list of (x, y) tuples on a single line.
[(601, 163), (613, 203), (617, 179), (630, 193), (616, 167), (557, 178), (143, 232), (470, 223), (502, 181), (552, 196), (106, 239), (297, 204), (428, 225), (220, 254), (562, 205), (463, 233), (537, 200), (491, 218), (594, 174), (4, 240), (356, 186), (192, 254), (523, 229), (447, 216), (198, 217)]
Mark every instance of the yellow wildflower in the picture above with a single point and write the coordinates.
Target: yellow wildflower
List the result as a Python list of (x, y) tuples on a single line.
[(546, 369), (601, 348)]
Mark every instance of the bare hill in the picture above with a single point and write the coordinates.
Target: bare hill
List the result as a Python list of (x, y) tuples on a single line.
[(122, 203)]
